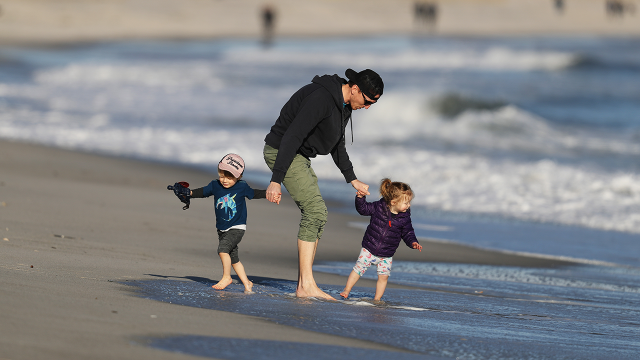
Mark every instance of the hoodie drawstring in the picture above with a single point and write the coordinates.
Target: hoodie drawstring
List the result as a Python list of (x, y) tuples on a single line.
[(351, 121)]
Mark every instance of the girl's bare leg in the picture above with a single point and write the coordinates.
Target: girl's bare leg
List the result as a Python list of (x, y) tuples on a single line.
[(351, 281), (226, 272), (381, 285), (239, 269)]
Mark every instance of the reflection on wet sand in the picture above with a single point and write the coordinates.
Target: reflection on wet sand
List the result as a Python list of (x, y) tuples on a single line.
[(505, 322), (249, 349)]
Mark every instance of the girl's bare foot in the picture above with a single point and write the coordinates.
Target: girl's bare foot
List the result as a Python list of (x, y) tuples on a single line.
[(345, 294), (222, 283), (248, 287)]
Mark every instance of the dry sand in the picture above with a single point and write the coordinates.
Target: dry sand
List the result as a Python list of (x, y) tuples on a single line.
[(74, 226), (70, 21)]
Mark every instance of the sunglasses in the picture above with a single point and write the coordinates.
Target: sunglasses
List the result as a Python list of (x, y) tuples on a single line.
[(367, 102)]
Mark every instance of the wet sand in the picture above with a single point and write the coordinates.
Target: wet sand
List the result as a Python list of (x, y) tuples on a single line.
[(76, 225), (72, 21)]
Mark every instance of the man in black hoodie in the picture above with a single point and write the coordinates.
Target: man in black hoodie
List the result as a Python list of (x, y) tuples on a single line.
[(311, 123)]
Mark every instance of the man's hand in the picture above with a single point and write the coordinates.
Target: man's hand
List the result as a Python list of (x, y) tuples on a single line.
[(274, 192), (361, 188), (416, 246)]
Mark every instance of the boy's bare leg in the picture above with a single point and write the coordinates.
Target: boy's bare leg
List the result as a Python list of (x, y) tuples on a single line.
[(307, 286), (239, 269), (381, 285), (226, 272), (351, 281)]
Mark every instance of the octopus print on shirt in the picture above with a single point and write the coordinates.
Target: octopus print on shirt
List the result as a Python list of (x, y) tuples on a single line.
[(230, 204), (227, 203)]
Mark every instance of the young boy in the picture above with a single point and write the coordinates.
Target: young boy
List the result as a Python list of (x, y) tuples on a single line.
[(229, 194)]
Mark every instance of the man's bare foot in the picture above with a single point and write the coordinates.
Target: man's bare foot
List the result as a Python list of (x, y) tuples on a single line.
[(313, 292), (222, 284), (248, 287), (345, 294)]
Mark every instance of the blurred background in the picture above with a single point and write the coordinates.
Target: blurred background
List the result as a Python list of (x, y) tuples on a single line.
[(502, 111), (44, 21)]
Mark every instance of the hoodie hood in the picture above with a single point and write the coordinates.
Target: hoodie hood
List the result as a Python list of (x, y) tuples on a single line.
[(333, 84)]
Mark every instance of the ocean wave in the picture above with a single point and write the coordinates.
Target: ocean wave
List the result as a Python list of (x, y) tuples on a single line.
[(597, 63), (545, 190), (453, 122), (170, 75), (465, 180), (593, 277), (451, 105), (495, 58), (541, 190), (193, 145)]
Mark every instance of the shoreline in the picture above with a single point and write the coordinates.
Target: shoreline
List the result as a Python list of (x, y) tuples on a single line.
[(76, 225), (28, 159)]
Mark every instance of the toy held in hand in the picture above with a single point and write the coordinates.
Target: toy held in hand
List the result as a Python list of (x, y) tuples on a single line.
[(182, 191)]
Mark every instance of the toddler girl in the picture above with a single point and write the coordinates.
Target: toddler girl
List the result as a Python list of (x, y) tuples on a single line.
[(390, 222)]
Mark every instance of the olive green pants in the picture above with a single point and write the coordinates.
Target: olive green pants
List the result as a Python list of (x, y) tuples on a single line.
[(302, 184)]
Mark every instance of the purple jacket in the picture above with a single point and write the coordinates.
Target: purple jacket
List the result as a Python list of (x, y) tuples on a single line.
[(384, 232)]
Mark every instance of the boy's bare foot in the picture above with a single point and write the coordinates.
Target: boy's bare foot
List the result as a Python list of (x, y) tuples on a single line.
[(313, 292), (248, 287), (222, 284), (345, 294)]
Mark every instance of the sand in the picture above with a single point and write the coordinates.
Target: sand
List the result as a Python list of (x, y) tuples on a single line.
[(75, 226), (71, 21)]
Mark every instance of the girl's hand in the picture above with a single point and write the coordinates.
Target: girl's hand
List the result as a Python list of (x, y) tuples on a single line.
[(362, 188), (274, 192), (417, 246)]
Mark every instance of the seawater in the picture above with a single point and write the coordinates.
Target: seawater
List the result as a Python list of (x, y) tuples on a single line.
[(457, 311), (535, 129)]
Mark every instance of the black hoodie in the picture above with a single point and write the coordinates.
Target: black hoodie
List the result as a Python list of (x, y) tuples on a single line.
[(312, 123)]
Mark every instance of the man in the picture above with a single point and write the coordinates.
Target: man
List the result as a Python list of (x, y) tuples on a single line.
[(311, 123)]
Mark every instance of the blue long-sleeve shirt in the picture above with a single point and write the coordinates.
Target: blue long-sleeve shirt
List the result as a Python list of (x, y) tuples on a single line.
[(230, 204)]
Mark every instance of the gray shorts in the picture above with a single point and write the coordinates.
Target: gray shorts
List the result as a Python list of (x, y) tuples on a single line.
[(229, 241)]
